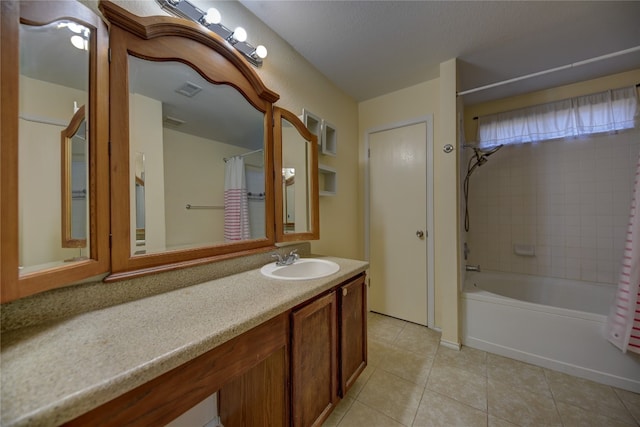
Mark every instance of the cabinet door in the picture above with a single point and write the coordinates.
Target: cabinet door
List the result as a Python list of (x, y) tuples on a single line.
[(314, 367), (353, 332), (259, 397)]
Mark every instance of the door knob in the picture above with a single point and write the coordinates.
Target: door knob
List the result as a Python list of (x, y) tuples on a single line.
[(420, 234)]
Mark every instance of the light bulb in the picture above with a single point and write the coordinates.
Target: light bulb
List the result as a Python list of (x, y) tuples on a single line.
[(76, 28), (212, 16), (79, 42), (261, 51), (240, 34)]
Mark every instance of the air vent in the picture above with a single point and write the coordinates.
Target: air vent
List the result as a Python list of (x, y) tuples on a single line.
[(189, 89), (172, 121)]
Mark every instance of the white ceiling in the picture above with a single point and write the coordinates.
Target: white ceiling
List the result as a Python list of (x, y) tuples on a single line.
[(370, 48)]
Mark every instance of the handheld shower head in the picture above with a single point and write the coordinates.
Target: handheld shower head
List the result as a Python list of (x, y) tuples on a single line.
[(482, 154), (480, 159), (487, 153)]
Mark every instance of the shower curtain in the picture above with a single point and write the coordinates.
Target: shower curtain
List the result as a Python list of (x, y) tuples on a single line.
[(623, 324), (236, 204)]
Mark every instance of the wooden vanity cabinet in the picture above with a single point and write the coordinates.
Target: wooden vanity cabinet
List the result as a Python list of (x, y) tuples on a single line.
[(257, 358), (314, 370), (290, 370), (352, 306), (329, 351)]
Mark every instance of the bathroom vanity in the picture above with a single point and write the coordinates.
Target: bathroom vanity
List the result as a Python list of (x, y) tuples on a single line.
[(147, 361), (148, 307)]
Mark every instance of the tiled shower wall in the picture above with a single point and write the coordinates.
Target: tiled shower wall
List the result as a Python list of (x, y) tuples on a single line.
[(569, 199)]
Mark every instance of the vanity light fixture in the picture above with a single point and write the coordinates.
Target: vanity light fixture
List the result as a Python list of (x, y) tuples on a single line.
[(211, 19), (80, 37)]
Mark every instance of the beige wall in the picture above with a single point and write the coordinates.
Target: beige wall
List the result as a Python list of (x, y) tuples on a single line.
[(301, 86), (194, 172), (145, 117), (39, 170), (416, 101)]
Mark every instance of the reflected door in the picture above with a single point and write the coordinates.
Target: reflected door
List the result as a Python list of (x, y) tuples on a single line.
[(398, 213)]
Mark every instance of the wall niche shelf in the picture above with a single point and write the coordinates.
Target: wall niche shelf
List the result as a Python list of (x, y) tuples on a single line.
[(326, 132), (313, 123), (329, 139), (327, 182)]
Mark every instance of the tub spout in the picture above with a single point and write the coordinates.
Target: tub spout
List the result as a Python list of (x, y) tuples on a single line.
[(473, 268)]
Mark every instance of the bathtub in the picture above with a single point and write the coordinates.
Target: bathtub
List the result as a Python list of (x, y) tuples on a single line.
[(553, 323)]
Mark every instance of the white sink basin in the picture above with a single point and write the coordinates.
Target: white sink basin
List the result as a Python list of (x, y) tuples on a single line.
[(302, 269)]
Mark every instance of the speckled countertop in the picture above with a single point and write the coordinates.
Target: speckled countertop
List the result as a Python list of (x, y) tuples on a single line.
[(56, 371)]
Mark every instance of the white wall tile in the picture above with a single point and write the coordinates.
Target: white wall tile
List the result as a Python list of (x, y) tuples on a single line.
[(568, 198)]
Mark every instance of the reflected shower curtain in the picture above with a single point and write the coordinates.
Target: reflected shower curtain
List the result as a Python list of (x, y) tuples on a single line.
[(236, 204), (623, 324)]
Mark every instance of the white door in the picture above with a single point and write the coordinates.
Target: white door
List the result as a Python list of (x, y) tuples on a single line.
[(397, 222)]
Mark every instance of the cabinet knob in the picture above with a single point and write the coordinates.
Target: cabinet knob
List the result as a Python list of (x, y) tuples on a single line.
[(344, 292)]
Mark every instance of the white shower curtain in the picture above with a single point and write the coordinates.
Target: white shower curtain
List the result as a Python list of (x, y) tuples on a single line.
[(623, 324), (236, 204)]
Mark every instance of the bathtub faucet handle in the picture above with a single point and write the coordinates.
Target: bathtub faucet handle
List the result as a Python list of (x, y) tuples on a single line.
[(473, 268)]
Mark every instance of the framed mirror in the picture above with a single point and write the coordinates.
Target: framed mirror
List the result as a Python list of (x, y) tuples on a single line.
[(296, 154), (75, 183), (54, 82), (192, 147)]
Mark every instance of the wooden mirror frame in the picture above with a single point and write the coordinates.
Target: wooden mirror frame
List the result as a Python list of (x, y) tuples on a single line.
[(13, 13), (164, 38), (313, 193), (66, 152)]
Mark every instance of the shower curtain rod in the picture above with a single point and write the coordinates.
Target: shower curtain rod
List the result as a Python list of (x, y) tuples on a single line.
[(551, 70), (243, 154), (476, 117)]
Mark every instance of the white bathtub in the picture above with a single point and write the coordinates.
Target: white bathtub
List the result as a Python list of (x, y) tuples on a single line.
[(553, 323)]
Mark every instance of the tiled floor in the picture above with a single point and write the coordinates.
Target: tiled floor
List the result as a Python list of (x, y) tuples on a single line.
[(413, 381)]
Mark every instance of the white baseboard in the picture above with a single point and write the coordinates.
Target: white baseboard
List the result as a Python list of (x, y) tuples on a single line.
[(450, 344)]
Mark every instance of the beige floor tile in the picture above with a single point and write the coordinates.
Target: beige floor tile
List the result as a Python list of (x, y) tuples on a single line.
[(339, 412), (357, 387), (378, 351), (407, 365), (520, 406), (517, 374), (589, 395), (499, 422), (418, 339), (467, 358), (631, 401), (384, 328), (573, 416), (461, 385), (393, 396), (438, 410), (360, 415)]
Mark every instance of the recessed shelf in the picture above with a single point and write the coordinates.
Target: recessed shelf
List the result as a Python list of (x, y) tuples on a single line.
[(327, 181), (329, 139), (313, 123)]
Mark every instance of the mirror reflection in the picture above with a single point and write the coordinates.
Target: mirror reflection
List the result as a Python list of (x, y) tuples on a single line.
[(296, 184), (204, 179), (54, 78), (289, 194), (75, 181), (139, 198)]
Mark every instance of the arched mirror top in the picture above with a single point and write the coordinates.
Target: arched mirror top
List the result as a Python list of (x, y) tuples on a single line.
[(296, 155), (54, 62), (225, 66), (191, 139)]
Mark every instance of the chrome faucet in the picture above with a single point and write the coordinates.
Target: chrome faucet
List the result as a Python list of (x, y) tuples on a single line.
[(472, 268), (288, 260)]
